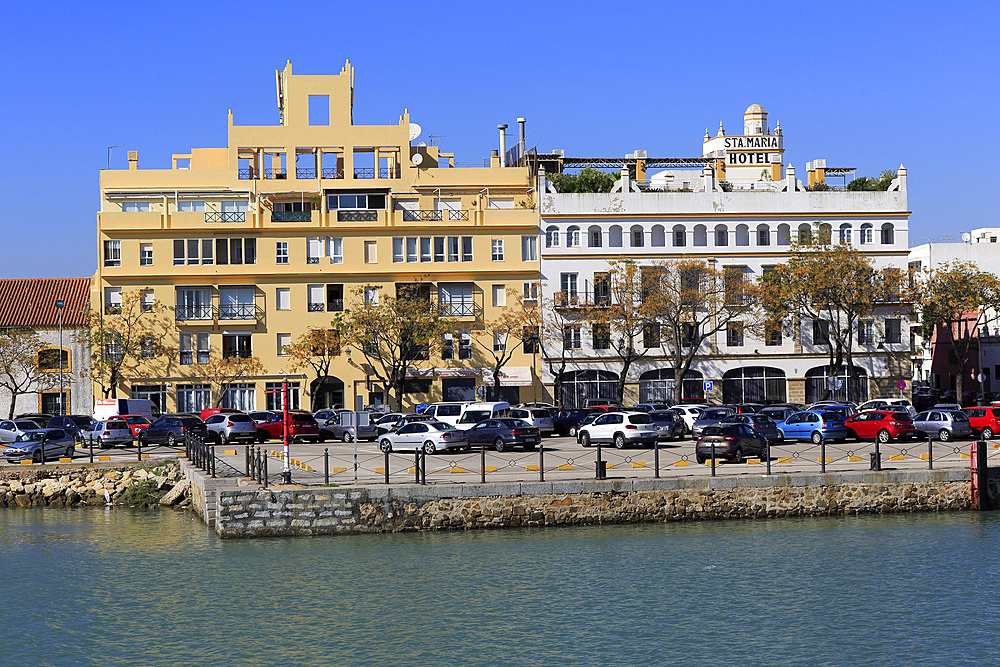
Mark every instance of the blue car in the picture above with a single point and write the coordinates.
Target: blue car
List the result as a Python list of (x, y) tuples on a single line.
[(813, 425)]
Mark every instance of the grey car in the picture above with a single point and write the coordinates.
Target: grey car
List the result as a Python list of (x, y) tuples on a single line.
[(669, 423), (709, 417), (505, 433), (108, 432), (762, 426), (10, 429), (944, 424), (229, 428), (540, 418), (56, 442), (334, 429)]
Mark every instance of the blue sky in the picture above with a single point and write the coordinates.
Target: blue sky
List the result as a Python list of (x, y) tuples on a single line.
[(867, 85)]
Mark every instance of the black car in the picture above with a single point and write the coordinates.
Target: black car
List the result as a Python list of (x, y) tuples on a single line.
[(568, 421), (504, 433), (732, 441), (170, 430), (75, 425)]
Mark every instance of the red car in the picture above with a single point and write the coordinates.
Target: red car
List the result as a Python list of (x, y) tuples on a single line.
[(880, 425), (135, 423), (301, 425), (985, 420)]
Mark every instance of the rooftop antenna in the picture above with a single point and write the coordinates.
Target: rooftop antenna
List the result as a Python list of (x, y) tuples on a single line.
[(432, 138), (109, 154), (281, 96)]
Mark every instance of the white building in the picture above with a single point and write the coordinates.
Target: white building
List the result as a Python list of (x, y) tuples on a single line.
[(748, 223)]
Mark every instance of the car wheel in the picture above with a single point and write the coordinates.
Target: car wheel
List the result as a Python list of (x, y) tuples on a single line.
[(883, 436), (700, 459), (499, 444), (223, 439), (261, 436), (171, 440), (429, 447), (572, 431), (529, 448), (817, 438), (585, 439), (385, 446), (619, 441), (37, 456), (69, 452), (738, 455), (348, 437), (101, 444), (944, 435), (987, 433)]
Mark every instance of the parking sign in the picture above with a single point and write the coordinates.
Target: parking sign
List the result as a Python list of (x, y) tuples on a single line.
[(708, 385)]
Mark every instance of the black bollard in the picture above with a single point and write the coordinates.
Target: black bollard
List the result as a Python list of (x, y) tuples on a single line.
[(423, 467), (656, 459), (877, 462), (326, 465), (416, 466), (767, 455), (386, 469), (822, 454), (265, 469), (138, 450), (482, 464), (713, 458), (91, 450), (211, 459), (601, 471), (930, 453), (541, 463)]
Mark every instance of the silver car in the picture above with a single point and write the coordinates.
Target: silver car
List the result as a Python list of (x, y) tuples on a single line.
[(108, 433), (10, 429), (709, 417), (540, 418), (429, 436), (56, 442), (231, 428), (944, 424), (334, 429)]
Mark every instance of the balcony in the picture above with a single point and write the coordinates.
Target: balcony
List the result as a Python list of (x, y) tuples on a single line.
[(315, 308), (244, 354), (330, 172), (245, 174), (277, 174), (458, 215), (188, 313), (581, 299), (335, 305), (388, 172), (460, 309), (364, 172), (225, 216), (240, 311), (305, 173), (357, 216), (423, 215), (291, 216)]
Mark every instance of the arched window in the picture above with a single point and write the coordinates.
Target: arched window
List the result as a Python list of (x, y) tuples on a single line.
[(638, 236), (658, 238), (615, 236), (763, 234), (805, 233), (888, 234), (824, 385), (594, 236), (680, 236), (825, 233), (866, 233), (845, 232), (754, 384), (721, 235), (573, 237), (48, 359), (658, 386), (552, 237), (742, 235), (784, 234), (700, 235), (578, 386)]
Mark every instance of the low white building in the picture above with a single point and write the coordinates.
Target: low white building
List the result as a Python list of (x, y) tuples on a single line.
[(735, 225)]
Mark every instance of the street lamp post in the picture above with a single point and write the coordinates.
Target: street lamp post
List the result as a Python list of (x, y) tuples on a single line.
[(59, 307)]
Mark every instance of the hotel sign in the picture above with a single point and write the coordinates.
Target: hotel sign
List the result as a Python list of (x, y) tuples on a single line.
[(752, 143)]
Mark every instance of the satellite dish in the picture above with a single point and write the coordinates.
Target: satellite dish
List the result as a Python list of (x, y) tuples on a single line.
[(966, 236), (415, 131), (417, 159), (421, 144)]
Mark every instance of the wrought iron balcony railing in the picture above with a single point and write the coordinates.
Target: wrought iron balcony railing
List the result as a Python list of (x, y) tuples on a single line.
[(458, 309), (193, 312), (305, 173), (334, 305), (364, 172), (225, 216), (357, 216), (315, 307), (238, 311), (330, 172), (423, 215), (275, 173), (388, 172), (291, 216)]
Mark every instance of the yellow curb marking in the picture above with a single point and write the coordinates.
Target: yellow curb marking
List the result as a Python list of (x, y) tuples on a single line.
[(336, 470), (531, 467), (103, 458), (229, 452), (491, 468), (896, 457), (853, 458), (680, 463), (564, 466), (456, 469), (786, 459)]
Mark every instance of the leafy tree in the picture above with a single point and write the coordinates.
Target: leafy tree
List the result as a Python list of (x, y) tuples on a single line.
[(868, 183), (958, 300), (588, 180), (506, 333), (223, 371), (122, 338), (19, 368), (316, 349)]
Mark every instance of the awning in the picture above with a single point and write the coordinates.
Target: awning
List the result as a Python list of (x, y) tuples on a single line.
[(516, 376), (458, 372)]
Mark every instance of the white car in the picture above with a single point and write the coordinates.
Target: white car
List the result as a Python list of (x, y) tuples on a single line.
[(688, 413), (620, 429), (431, 437), (448, 413), (11, 428), (108, 433), (540, 418), (882, 403)]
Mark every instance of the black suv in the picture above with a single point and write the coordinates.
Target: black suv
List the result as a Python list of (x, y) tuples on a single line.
[(170, 430), (75, 425), (568, 421)]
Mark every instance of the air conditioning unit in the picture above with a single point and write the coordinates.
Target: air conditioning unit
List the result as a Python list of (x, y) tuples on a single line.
[(559, 151), (640, 154)]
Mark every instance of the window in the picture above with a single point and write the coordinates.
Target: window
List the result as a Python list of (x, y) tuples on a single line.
[(273, 396), (112, 253), (845, 233), (284, 340), (374, 201), (735, 284), (651, 334), (596, 237), (602, 288), (529, 290), (193, 397), (888, 237), (734, 334), (191, 206), (48, 359), (425, 249), (206, 252), (772, 337), (239, 396), (689, 334), (573, 237), (237, 303), (448, 347), (336, 250), (282, 298), (148, 347), (112, 300), (529, 248), (371, 295), (145, 254), (721, 235), (601, 336), (135, 207), (499, 342), (236, 345), (529, 340), (763, 235), (866, 332), (194, 347), (235, 251), (637, 237), (397, 249), (314, 250), (496, 249), (552, 237), (192, 251), (438, 248), (680, 237), (157, 393), (316, 298), (571, 338), (866, 233), (567, 281), (148, 302), (281, 252), (335, 298), (411, 249), (893, 331), (194, 304), (455, 299), (371, 252), (821, 332), (235, 206), (465, 346), (499, 296)]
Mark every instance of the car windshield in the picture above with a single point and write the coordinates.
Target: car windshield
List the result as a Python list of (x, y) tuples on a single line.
[(831, 416), (661, 416), (240, 419), (640, 419), (713, 430), (25, 425), (761, 419), (901, 416), (541, 414), (301, 418), (474, 416), (714, 414), (441, 426), (960, 416), (82, 422), (137, 420), (34, 436)]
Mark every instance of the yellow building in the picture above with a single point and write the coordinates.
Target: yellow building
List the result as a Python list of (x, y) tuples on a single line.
[(249, 246)]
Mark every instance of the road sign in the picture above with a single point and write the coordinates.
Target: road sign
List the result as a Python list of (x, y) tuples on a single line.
[(708, 385), (901, 385), (481, 392)]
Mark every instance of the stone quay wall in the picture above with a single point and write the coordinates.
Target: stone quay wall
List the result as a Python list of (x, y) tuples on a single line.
[(66, 486), (252, 512)]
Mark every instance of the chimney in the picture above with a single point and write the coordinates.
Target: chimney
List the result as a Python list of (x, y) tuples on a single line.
[(520, 132), (494, 159), (133, 159), (503, 145)]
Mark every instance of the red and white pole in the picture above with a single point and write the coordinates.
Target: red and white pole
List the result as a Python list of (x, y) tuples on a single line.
[(286, 473)]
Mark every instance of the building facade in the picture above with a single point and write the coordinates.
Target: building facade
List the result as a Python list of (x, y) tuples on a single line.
[(736, 207), (247, 247)]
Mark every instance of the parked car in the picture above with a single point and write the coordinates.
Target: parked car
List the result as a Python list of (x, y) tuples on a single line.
[(813, 425), (745, 408), (473, 413), (334, 429), (505, 433), (75, 425), (170, 430), (779, 413), (946, 406), (429, 436), (108, 433), (761, 425), (540, 418), (846, 408), (301, 426), (259, 416), (621, 429), (381, 428), (731, 441), (449, 413), (881, 425), (649, 407), (668, 423), (136, 423), (227, 428), (10, 429), (689, 414), (601, 403), (568, 421), (54, 442), (37, 417), (208, 412), (944, 424), (710, 417), (385, 421), (984, 420), (882, 403)]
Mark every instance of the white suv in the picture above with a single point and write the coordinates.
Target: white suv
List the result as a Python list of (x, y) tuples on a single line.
[(882, 403), (620, 429)]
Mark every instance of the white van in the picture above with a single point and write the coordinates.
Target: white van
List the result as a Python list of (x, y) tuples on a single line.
[(109, 407), (473, 413), (449, 413)]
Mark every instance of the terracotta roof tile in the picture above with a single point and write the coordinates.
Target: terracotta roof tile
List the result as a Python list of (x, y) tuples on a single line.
[(31, 302)]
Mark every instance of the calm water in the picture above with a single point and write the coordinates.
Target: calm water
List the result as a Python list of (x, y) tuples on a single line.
[(90, 586)]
